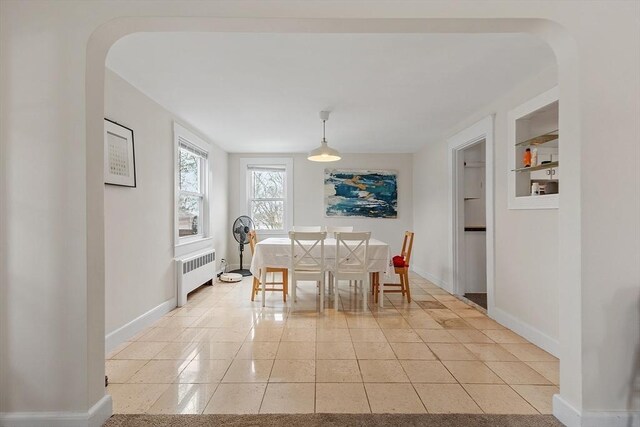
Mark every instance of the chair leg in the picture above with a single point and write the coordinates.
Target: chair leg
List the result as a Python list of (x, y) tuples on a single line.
[(285, 286), (365, 291), (406, 285), (254, 288), (403, 288), (295, 290), (372, 283), (376, 287)]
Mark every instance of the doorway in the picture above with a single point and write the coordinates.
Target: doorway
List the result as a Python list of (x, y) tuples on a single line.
[(472, 283), (97, 51), (471, 197)]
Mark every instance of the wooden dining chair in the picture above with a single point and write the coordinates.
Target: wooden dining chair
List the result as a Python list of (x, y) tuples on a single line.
[(307, 261), (269, 286), (352, 262), (401, 269)]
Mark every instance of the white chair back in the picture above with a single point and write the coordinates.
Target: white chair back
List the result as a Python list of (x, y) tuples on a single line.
[(307, 228), (307, 260), (352, 255), (332, 230), (304, 255)]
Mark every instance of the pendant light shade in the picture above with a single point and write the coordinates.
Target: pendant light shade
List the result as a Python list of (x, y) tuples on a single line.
[(324, 153)]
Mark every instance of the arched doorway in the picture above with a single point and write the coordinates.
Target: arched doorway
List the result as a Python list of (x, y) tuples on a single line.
[(104, 38)]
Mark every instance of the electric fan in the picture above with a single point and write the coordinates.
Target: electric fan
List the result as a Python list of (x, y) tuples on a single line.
[(240, 229)]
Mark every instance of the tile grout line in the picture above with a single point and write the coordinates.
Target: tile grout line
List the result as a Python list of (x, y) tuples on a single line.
[(399, 309)]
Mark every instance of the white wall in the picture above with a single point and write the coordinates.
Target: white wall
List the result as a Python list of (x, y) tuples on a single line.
[(526, 241), (139, 228), (51, 108), (430, 212), (308, 189)]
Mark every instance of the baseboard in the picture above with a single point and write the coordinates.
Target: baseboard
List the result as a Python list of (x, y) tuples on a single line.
[(535, 336), (430, 277), (122, 334), (571, 417), (527, 331), (101, 411), (94, 417), (565, 413)]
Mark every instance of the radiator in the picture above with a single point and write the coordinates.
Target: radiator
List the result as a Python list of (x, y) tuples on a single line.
[(194, 271)]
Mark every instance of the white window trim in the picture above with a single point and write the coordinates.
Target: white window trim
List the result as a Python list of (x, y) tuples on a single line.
[(187, 244), (287, 162)]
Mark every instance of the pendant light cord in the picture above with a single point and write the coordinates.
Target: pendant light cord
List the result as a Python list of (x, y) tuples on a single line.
[(324, 139)]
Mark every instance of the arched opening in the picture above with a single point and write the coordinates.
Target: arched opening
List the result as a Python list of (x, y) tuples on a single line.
[(104, 38)]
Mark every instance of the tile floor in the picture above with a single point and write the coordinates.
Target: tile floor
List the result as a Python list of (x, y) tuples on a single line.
[(222, 353)]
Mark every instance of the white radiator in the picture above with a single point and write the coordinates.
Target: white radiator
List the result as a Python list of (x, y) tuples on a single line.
[(194, 271)]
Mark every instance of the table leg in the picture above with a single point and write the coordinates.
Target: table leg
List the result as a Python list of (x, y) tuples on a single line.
[(322, 285), (263, 280), (294, 297), (381, 292)]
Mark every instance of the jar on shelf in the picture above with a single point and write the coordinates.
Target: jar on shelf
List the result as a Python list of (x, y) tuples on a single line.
[(526, 158)]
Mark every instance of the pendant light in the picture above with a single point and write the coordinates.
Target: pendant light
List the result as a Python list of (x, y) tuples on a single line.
[(324, 153)]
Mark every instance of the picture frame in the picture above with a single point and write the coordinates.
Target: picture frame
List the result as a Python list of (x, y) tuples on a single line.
[(119, 155), (363, 193)]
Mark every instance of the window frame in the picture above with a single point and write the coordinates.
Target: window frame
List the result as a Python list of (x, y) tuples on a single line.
[(188, 138), (257, 163)]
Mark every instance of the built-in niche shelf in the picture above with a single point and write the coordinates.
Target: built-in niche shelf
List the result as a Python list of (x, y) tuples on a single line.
[(538, 168), (541, 139), (534, 126)]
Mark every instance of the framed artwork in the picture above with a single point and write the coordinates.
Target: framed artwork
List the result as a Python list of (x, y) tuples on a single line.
[(119, 155), (360, 193)]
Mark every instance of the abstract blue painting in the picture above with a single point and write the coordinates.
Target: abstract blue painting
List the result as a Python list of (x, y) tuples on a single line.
[(361, 193)]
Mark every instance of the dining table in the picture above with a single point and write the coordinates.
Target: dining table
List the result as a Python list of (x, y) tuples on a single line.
[(276, 252)]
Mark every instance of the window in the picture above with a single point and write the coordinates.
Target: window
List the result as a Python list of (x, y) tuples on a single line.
[(269, 193), (267, 198), (191, 186)]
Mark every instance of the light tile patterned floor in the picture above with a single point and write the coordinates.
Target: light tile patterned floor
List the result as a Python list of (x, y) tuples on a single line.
[(222, 353)]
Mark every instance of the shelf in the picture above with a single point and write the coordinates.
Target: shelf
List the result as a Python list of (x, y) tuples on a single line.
[(540, 139), (538, 168)]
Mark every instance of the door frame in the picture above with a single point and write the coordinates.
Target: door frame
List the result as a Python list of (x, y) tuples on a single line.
[(481, 130)]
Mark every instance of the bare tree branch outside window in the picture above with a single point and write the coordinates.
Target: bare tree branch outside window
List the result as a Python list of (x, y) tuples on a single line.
[(191, 197), (267, 203)]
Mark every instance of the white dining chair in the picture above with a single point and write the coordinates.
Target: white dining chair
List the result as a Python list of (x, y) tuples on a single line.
[(352, 262), (307, 261), (332, 230), (307, 228)]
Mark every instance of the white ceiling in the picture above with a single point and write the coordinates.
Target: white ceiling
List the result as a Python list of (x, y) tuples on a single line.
[(387, 92)]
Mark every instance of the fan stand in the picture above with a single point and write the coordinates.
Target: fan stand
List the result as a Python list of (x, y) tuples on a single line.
[(241, 270)]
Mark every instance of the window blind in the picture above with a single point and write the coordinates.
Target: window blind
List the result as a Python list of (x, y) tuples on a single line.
[(266, 168), (187, 146)]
